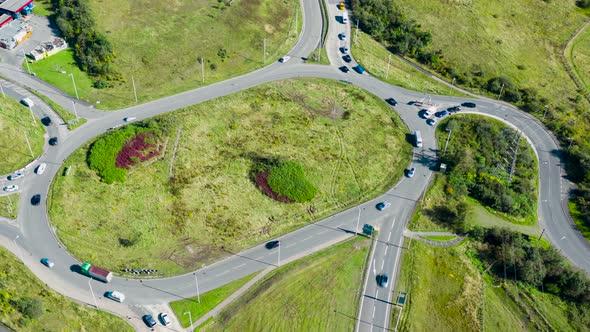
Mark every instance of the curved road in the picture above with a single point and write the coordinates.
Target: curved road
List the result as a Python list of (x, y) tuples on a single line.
[(36, 237)]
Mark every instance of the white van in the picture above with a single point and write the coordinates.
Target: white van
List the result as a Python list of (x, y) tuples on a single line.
[(129, 119), (28, 102), (418, 138), (116, 296), (344, 17)]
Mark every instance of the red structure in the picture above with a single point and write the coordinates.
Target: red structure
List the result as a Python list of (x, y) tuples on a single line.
[(5, 19), (15, 6)]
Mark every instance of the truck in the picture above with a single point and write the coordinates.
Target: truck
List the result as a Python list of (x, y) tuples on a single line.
[(96, 272), (344, 17), (418, 138)]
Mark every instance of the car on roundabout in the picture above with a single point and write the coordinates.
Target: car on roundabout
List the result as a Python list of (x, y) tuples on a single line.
[(284, 59), (53, 141), (15, 176), (469, 104), (425, 114), (382, 206), (441, 114), (47, 262), (391, 101), (41, 168), (344, 49), (272, 244), (343, 36), (344, 69), (410, 172), (10, 188), (36, 199), (431, 122), (164, 318), (149, 320)]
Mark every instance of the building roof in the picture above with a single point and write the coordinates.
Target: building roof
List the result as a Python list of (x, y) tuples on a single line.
[(5, 18), (9, 31), (14, 6)]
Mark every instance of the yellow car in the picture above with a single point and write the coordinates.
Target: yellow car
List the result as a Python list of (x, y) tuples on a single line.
[(341, 5)]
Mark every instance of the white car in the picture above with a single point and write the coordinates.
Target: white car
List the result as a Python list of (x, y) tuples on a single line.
[(15, 176), (431, 122), (11, 188), (27, 102), (41, 168), (343, 36), (164, 319), (284, 59), (129, 119)]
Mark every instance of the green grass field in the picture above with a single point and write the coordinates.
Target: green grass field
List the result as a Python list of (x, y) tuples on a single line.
[(208, 302), (59, 314), (42, 7), (16, 123), (317, 293), (158, 43), (575, 213), (579, 56), (448, 293), (374, 57), (520, 39), (9, 206), (350, 143), (441, 238)]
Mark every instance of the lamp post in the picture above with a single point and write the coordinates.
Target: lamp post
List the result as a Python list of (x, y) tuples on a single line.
[(74, 82), (75, 112), (358, 221), (190, 317), (279, 257), (92, 292), (27, 62), (447, 142), (197, 283), (19, 249)]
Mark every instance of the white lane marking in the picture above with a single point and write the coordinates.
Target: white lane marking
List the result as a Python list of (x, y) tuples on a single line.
[(239, 266), (290, 245), (389, 238), (219, 275), (307, 238), (562, 238), (374, 265), (258, 258), (386, 248), (373, 311), (322, 232), (382, 264)]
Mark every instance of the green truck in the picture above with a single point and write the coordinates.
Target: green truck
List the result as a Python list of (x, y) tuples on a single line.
[(96, 272)]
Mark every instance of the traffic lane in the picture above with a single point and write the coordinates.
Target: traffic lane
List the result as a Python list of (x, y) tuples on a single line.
[(312, 22)]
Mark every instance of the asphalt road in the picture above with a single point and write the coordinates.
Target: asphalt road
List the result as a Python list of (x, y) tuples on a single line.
[(36, 237)]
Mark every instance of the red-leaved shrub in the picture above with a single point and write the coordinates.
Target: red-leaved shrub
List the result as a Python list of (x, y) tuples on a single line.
[(138, 150)]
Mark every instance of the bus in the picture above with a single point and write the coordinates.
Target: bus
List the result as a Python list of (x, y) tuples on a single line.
[(418, 137)]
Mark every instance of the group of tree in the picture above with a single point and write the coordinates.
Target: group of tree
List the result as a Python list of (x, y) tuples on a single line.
[(388, 24), (92, 50), (478, 161), (513, 256)]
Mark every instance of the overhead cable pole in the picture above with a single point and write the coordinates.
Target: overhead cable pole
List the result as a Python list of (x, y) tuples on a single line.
[(197, 283), (74, 82), (388, 64), (356, 33), (134, 90), (264, 49), (29, 144), (27, 62), (75, 111)]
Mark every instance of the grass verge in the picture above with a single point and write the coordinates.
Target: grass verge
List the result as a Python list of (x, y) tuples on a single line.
[(441, 238), (319, 56), (575, 213), (57, 313), (9, 206), (17, 124), (466, 301), (42, 7), (210, 205), (209, 301), (374, 57), (67, 116), (162, 55), (319, 291)]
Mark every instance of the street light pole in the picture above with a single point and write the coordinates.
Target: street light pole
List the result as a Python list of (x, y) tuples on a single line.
[(92, 292), (447, 142), (75, 112), (74, 82), (264, 49), (452, 85), (134, 90), (190, 317), (197, 283), (358, 221), (27, 62), (19, 249), (545, 113), (279, 257), (388, 63)]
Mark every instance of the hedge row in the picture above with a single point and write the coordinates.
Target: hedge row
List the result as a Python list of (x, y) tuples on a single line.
[(288, 179)]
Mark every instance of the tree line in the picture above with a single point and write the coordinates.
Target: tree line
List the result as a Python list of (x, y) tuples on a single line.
[(92, 50)]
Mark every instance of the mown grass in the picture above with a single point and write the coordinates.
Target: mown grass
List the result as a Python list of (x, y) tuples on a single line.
[(575, 213), (67, 116), (158, 44), (317, 293), (448, 293), (16, 122), (9, 206), (209, 301), (341, 135), (441, 238), (374, 57), (319, 56), (42, 7), (59, 314)]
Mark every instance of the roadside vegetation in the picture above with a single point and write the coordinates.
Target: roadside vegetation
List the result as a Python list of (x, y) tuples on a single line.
[(374, 57), (479, 159), (122, 43), (495, 51), (16, 124), (209, 301), (322, 290), (9, 206), (26, 304), (67, 116), (469, 298), (201, 202)]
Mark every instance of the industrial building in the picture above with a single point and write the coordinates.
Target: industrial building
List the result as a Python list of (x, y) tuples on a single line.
[(48, 49), (13, 27)]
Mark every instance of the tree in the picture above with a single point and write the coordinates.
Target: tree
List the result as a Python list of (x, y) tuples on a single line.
[(30, 307)]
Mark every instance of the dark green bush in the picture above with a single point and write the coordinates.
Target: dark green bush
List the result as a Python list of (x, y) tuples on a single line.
[(30, 307), (288, 179)]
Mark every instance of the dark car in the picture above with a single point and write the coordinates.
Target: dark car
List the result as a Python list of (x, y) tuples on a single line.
[(382, 280), (46, 121), (347, 58), (344, 69), (53, 141), (382, 206), (149, 320), (454, 109), (469, 104), (441, 114), (391, 101), (36, 199), (273, 244)]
